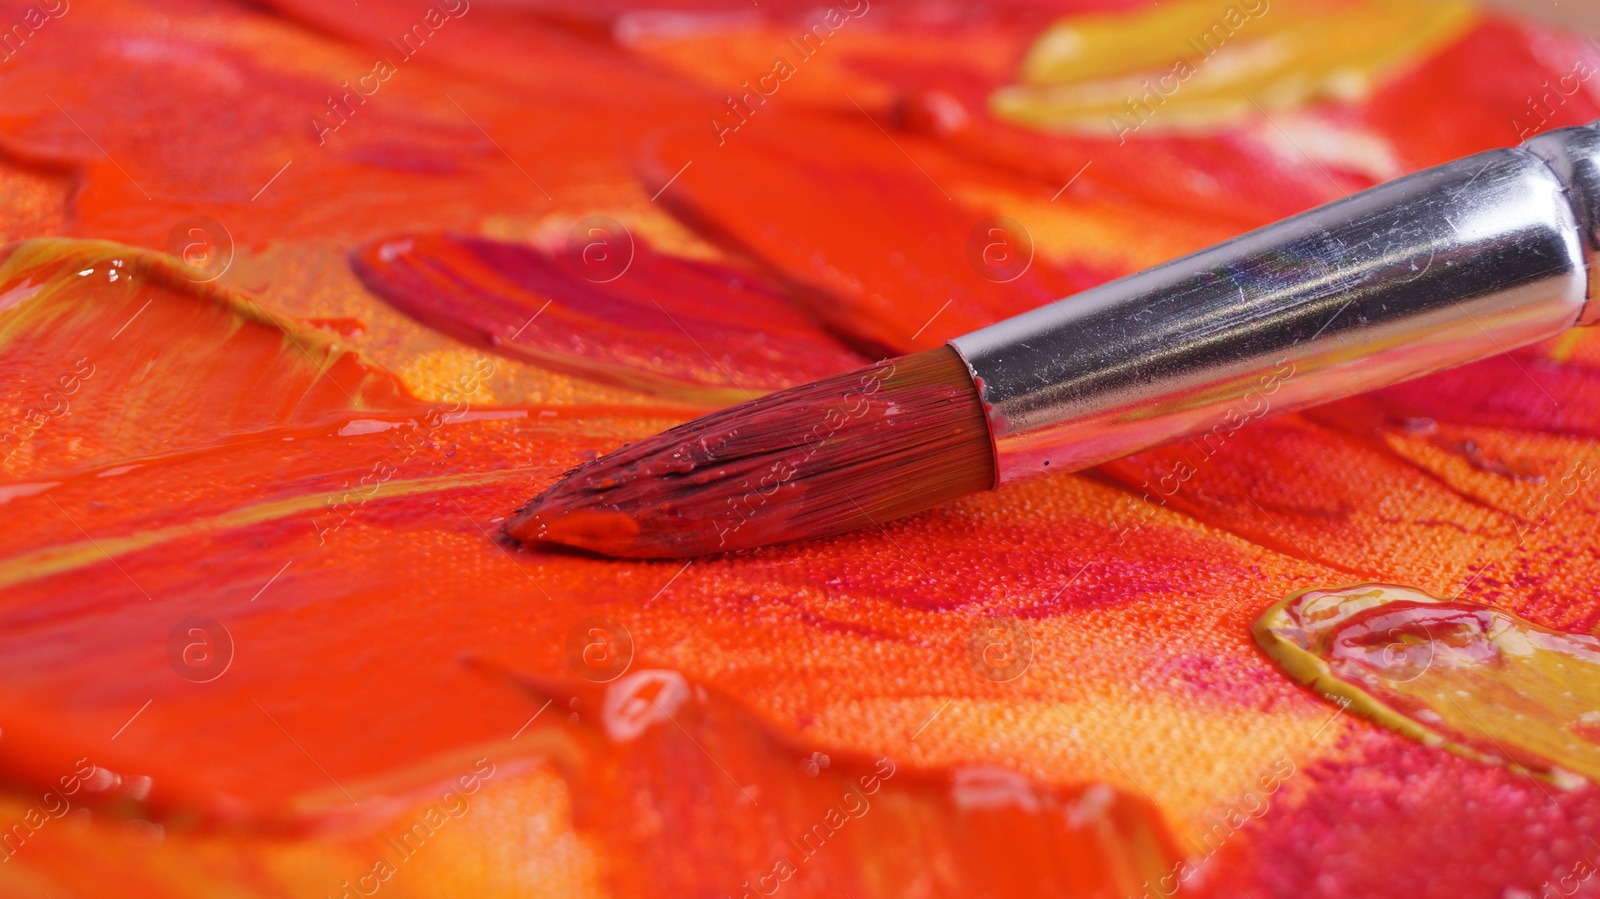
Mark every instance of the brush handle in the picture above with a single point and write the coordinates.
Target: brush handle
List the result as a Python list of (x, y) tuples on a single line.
[(1446, 266)]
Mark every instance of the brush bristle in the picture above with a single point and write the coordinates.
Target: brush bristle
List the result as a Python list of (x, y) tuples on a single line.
[(851, 451)]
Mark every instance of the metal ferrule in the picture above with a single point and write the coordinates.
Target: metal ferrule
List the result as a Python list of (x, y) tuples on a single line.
[(1443, 267)]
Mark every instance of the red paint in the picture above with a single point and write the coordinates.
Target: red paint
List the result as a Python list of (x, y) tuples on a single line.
[(607, 307), (1385, 818)]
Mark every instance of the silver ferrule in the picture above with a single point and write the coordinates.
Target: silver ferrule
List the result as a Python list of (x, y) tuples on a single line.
[(1443, 267)]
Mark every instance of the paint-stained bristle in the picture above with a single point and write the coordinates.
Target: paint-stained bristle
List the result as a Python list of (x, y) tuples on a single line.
[(847, 452)]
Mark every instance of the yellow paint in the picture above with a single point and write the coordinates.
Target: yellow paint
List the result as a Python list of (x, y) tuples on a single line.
[(1462, 676), (1200, 64)]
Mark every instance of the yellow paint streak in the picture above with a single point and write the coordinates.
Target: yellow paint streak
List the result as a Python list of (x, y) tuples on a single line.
[(1198, 65), (68, 556), (1457, 675)]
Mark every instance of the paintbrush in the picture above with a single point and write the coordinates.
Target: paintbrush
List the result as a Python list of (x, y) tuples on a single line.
[(1446, 266)]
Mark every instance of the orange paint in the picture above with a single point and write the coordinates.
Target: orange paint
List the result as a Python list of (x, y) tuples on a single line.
[(185, 456)]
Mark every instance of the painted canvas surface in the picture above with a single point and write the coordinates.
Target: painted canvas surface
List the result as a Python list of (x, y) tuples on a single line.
[(299, 301)]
